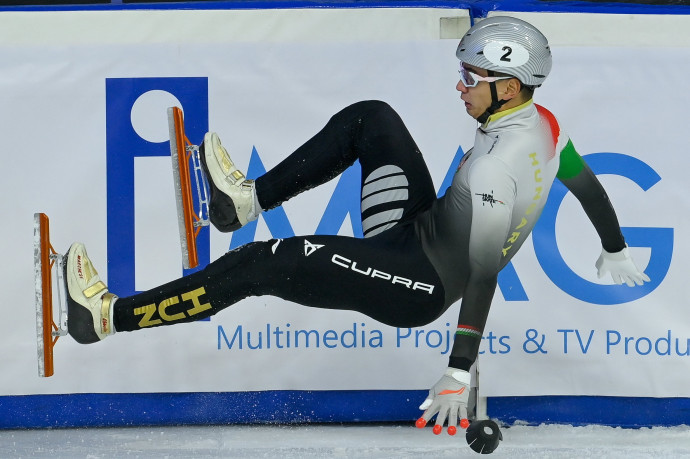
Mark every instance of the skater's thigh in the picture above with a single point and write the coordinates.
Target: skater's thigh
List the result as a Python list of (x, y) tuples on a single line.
[(387, 278), (396, 183)]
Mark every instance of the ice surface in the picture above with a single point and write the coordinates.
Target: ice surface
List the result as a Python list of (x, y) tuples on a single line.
[(338, 441)]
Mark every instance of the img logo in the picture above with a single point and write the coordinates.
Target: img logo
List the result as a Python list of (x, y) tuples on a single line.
[(125, 143)]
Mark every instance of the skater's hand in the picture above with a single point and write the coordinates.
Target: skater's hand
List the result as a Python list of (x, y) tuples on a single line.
[(621, 266), (447, 400)]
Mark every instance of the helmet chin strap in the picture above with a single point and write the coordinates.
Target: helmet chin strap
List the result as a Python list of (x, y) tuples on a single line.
[(495, 102)]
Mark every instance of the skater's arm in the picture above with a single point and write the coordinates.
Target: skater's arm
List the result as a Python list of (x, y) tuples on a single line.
[(493, 194), (581, 181), (585, 186), (493, 190), (474, 310)]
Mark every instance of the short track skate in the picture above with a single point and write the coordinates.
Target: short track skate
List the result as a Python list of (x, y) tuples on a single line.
[(190, 219)]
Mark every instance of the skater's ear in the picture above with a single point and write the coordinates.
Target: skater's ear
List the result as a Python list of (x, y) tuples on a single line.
[(509, 89)]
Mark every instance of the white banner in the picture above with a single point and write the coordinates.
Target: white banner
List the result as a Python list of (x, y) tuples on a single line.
[(85, 129)]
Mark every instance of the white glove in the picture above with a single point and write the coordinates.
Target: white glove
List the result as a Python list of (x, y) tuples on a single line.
[(621, 266), (448, 399)]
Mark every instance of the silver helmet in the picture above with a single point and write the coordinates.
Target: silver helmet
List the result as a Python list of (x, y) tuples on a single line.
[(507, 45)]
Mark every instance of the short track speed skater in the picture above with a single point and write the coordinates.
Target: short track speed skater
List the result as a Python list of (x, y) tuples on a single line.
[(46, 262), (190, 218)]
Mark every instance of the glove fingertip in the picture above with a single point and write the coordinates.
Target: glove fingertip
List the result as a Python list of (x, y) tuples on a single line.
[(421, 423)]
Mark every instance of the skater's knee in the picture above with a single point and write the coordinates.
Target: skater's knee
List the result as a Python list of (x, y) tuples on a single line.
[(367, 110), (376, 105), (374, 108)]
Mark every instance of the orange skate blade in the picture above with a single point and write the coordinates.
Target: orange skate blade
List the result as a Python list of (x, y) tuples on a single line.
[(189, 221), (45, 260)]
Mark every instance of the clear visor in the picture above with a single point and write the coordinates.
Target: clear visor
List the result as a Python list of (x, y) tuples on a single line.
[(471, 79)]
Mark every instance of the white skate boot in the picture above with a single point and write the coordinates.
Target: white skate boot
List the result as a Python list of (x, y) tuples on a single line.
[(89, 304), (232, 203)]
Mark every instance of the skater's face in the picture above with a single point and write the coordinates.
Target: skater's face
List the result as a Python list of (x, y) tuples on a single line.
[(478, 98)]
